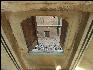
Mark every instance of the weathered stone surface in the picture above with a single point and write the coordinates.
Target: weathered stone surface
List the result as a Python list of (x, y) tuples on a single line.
[(16, 12), (47, 6)]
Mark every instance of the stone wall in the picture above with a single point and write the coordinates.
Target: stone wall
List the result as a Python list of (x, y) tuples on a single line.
[(50, 21)]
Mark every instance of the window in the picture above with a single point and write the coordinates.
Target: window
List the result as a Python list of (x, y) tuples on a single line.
[(46, 33)]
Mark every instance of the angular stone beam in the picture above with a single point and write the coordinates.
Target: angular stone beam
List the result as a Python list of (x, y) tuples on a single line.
[(47, 6), (78, 37), (10, 36)]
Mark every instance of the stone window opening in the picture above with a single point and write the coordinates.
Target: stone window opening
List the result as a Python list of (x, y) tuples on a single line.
[(48, 37), (46, 33)]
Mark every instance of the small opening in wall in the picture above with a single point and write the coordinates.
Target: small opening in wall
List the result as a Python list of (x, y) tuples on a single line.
[(46, 33)]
